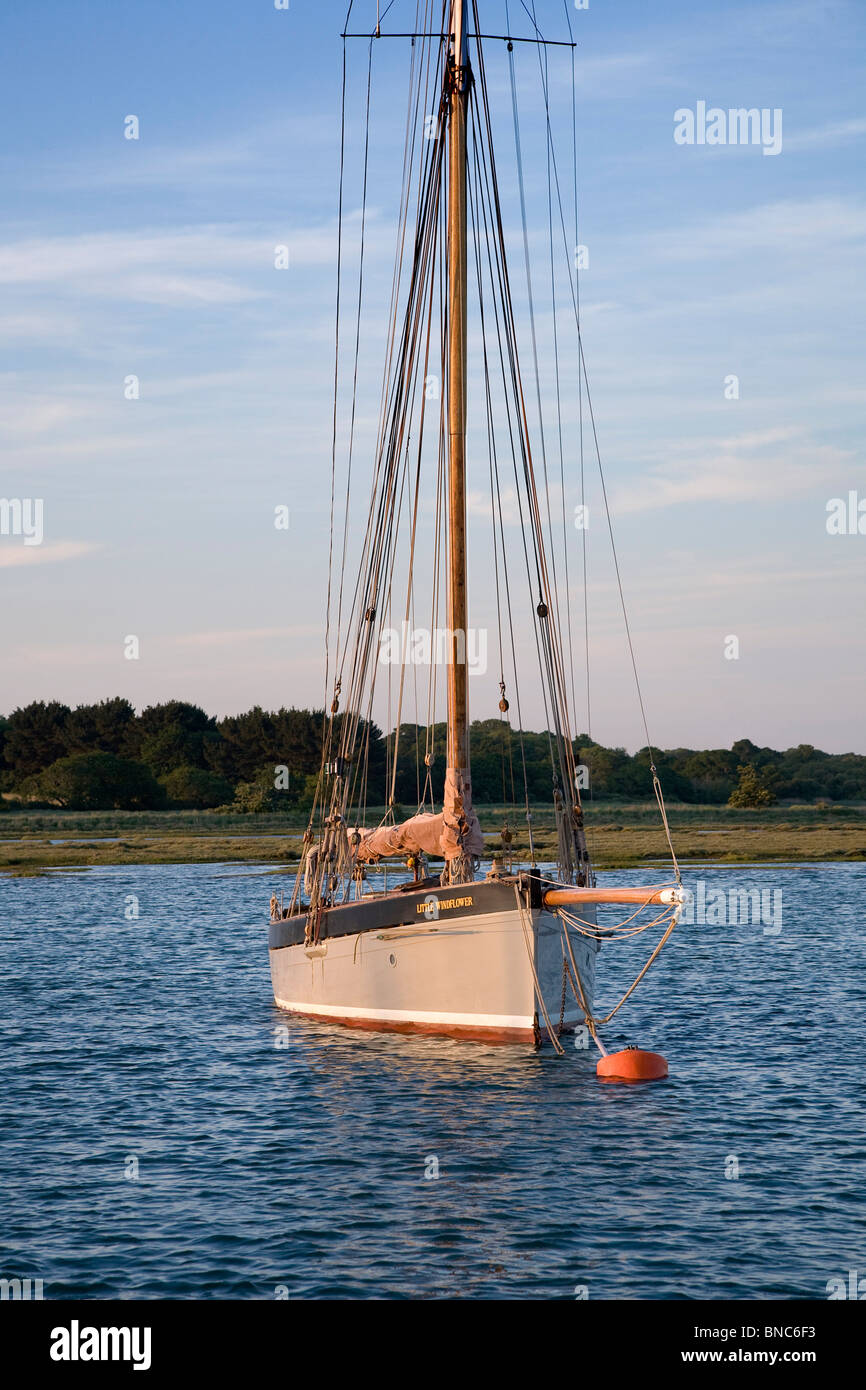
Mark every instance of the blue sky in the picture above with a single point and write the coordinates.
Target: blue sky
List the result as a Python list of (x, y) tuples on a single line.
[(155, 258)]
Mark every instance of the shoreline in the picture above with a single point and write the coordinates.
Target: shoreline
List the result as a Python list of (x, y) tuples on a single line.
[(619, 837)]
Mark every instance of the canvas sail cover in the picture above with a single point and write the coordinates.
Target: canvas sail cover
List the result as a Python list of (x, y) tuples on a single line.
[(454, 832)]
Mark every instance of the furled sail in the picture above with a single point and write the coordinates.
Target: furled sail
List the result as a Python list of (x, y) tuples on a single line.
[(455, 831)]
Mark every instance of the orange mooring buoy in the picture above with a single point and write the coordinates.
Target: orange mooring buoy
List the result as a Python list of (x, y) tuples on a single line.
[(632, 1065)]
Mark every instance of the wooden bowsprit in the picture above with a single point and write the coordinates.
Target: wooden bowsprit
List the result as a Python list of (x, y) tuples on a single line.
[(631, 1063)]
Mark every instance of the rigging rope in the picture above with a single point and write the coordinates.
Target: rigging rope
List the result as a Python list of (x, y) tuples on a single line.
[(403, 419), (582, 371)]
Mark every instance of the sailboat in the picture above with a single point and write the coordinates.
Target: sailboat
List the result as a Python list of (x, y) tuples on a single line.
[(486, 947)]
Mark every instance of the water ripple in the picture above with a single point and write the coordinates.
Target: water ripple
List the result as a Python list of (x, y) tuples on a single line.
[(155, 1142)]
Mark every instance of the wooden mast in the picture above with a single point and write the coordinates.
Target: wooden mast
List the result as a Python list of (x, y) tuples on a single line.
[(458, 79)]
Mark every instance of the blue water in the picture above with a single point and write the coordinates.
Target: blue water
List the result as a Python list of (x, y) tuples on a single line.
[(151, 1043)]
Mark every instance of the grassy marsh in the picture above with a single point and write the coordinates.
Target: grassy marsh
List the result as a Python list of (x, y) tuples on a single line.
[(619, 835)]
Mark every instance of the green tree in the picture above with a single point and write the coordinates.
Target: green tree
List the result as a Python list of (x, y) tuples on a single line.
[(96, 782), (296, 739), (172, 735), (242, 745), (259, 796), (750, 791), (712, 772), (674, 784), (103, 728), (36, 736), (289, 738), (195, 788), (6, 773)]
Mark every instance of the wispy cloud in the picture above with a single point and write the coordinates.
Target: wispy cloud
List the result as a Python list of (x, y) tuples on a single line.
[(38, 326), (479, 504), (33, 415), (511, 505), (825, 136), (14, 553), (243, 634), (771, 463), (178, 266), (244, 158), (784, 226)]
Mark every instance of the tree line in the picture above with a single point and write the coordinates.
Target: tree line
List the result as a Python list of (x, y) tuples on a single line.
[(108, 756)]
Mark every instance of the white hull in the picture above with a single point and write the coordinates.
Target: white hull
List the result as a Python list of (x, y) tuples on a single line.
[(470, 976)]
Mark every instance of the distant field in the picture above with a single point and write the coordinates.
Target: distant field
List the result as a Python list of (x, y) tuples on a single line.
[(619, 836)]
